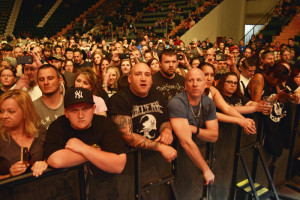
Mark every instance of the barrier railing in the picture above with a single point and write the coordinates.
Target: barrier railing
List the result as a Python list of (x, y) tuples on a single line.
[(148, 176)]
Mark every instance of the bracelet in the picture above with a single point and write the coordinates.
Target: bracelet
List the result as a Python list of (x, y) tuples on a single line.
[(198, 131), (104, 86)]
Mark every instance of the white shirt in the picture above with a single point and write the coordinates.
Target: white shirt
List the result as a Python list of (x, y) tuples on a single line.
[(243, 83)]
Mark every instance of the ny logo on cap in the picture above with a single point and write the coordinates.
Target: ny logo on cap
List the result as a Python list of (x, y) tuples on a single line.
[(78, 94)]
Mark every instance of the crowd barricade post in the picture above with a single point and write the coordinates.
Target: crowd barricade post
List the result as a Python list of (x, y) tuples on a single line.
[(147, 175)]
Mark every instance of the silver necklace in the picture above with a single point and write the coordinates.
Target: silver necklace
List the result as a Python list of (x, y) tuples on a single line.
[(196, 116)]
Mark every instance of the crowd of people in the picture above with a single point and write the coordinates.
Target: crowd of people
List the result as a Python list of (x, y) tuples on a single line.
[(69, 100), (140, 91)]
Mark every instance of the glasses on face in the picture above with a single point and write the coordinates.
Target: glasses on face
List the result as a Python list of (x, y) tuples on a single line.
[(7, 75), (232, 82)]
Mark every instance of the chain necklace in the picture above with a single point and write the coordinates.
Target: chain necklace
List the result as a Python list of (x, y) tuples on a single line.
[(196, 116)]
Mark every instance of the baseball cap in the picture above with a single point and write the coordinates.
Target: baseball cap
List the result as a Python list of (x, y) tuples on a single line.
[(234, 47), (57, 57), (11, 60), (78, 95)]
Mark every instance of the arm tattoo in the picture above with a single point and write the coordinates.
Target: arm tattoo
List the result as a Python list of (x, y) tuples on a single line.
[(124, 123), (255, 83), (164, 126), (144, 143), (132, 139)]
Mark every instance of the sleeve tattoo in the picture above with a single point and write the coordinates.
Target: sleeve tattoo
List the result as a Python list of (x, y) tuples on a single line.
[(125, 125)]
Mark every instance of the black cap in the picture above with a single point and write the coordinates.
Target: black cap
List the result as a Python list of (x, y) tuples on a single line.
[(78, 95), (57, 57)]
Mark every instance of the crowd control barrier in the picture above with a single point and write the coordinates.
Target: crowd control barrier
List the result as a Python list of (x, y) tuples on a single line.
[(148, 176)]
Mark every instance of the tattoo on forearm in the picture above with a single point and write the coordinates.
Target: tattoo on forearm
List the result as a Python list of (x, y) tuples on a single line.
[(126, 127), (124, 123), (144, 143), (164, 126)]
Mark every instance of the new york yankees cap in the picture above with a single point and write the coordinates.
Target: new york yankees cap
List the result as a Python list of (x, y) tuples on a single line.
[(78, 95)]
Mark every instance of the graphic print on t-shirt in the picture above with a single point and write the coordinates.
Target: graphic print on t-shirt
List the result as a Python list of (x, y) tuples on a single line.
[(145, 118), (147, 126)]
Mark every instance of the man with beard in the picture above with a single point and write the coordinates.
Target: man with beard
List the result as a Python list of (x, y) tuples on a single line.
[(50, 105), (79, 60), (166, 80)]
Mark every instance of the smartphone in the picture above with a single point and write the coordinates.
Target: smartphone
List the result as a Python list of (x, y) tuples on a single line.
[(24, 60), (124, 56), (24, 155), (221, 57)]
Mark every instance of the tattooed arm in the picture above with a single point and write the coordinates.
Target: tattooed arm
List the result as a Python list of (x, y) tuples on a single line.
[(135, 140), (256, 86)]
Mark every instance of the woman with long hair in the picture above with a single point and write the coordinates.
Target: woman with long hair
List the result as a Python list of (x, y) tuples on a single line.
[(230, 115), (104, 63), (110, 82), (87, 78), (20, 129), (154, 65), (96, 62), (229, 88)]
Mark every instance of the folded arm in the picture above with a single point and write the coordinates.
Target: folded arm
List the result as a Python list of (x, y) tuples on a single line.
[(135, 140)]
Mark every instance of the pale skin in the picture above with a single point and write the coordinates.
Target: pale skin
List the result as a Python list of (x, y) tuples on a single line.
[(195, 80), (77, 152), (12, 117), (250, 107), (230, 115), (140, 81)]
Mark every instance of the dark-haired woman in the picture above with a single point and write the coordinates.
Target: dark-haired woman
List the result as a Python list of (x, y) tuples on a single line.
[(230, 115), (229, 88)]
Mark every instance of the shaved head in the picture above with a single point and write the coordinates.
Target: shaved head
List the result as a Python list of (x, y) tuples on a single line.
[(194, 71), (195, 84)]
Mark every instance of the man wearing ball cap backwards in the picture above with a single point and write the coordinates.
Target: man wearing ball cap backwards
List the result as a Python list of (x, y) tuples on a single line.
[(80, 136)]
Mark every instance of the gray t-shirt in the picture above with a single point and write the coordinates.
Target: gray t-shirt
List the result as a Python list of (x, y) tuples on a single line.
[(179, 107), (47, 115)]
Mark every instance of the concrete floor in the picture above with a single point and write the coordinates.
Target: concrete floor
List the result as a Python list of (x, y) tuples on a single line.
[(290, 190)]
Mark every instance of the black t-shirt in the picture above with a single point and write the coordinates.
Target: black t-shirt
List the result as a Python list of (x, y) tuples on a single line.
[(234, 100), (168, 87), (103, 132), (84, 64), (147, 113)]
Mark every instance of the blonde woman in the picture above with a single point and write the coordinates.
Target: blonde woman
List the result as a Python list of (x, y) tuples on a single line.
[(20, 128), (110, 80)]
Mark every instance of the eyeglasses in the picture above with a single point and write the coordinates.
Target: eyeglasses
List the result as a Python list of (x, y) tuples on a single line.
[(232, 82), (7, 75)]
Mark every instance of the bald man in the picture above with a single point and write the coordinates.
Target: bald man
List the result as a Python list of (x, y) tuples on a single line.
[(141, 114), (193, 117)]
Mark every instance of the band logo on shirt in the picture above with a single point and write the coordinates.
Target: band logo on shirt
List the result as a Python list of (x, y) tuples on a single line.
[(138, 110)]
